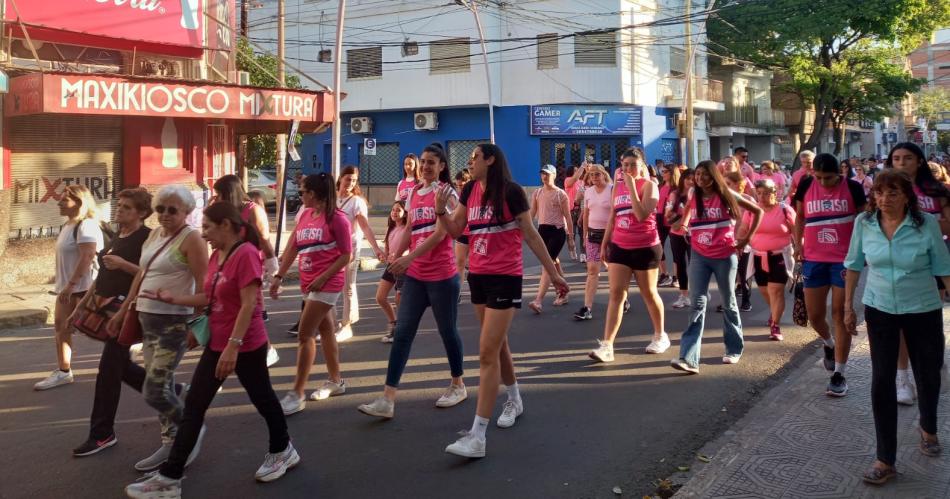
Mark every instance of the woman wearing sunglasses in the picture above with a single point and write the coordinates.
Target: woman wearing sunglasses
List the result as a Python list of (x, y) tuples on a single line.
[(175, 259)]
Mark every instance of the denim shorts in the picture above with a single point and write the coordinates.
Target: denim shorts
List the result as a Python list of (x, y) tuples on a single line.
[(821, 274)]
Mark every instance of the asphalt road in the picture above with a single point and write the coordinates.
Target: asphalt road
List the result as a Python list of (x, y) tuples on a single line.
[(586, 428)]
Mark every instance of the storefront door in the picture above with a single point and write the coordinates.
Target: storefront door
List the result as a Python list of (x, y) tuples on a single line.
[(572, 152)]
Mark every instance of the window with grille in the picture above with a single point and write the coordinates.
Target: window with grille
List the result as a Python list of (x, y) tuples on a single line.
[(547, 51), (450, 56), (595, 48), (385, 168), (364, 63), (459, 153), (677, 61)]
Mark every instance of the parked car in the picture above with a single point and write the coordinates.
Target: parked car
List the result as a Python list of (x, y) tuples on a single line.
[(263, 183)]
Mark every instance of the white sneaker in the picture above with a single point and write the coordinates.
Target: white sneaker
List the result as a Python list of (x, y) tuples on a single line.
[(467, 446), (682, 302), (583, 258), (157, 458), (381, 408), (660, 345), (510, 414), (453, 395), (272, 356), (329, 389), (906, 392), (345, 333), (56, 378), (731, 358), (292, 404), (135, 351), (275, 465), (603, 353), (154, 486)]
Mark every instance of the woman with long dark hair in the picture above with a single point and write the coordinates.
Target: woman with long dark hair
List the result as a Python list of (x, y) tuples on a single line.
[(903, 249), (410, 177), (494, 211), (231, 296), (712, 215), (679, 242), (324, 243), (825, 206), (431, 281), (934, 198)]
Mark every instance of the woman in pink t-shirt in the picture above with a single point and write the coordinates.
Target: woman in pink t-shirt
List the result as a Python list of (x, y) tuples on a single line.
[(232, 300), (770, 171), (396, 228), (598, 204), (772, 250), (550, 204), (675, 208), (324, 244), (410, 170), (431, 281)]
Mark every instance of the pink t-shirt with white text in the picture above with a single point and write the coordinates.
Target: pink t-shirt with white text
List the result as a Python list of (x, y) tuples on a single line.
[(599, 204), (438, 264), (712, 232), (630, 233), (319, 244), (242, 269)]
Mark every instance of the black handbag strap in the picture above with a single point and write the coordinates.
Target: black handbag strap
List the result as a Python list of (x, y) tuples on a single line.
[(217, 274)]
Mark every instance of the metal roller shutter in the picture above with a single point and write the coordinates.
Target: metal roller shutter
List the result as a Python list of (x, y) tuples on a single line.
[(49, 152), (459, 152)]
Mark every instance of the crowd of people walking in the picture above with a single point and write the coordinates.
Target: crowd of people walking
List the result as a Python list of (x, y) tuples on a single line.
[(723, 220)]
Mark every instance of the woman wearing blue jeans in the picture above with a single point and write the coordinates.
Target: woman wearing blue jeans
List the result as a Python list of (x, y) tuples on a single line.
[(711, 218), (431, 280)]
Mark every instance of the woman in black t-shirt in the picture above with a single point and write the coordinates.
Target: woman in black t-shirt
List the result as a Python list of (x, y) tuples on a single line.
[(118, 264)]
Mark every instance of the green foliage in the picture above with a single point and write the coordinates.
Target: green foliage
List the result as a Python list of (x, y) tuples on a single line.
[(841, 56), (931, 102), (262, 149)]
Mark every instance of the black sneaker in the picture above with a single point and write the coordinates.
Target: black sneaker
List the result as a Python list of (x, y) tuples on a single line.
[(745, 307), (719, 308), (837, 387), (264, 315), (93, 446), (294, 329), (829, 359), (583, 314), (626, 306)]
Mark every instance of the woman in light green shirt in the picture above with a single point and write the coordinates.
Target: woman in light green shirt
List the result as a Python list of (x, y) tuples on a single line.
[(903, 250)]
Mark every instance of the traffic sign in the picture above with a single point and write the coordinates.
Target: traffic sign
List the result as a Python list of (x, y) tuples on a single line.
[(369, 147)]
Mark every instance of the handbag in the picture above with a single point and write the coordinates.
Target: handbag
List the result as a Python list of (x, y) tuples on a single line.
[(199, 326), (799, 312), (131, 332), (595, 236), (93, 315)]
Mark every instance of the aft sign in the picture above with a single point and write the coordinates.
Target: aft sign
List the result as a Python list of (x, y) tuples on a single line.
[(592, 119), (88, 94)]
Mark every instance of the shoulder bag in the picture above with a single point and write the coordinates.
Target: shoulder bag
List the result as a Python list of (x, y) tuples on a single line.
[(198, 325), (131, 332), (799, 312)]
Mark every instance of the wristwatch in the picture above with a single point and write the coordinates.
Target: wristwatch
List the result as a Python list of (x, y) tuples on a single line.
[(238, 341)]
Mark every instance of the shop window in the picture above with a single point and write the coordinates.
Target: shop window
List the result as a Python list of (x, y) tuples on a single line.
[(450, 56), (459, 152), (547, 51), (595, 48), (364, 63), (383, 168)]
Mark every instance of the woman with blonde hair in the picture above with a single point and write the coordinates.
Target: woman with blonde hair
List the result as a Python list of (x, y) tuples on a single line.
[(76, 247)]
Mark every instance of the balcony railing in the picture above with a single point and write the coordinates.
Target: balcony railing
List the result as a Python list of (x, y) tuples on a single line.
[(750, 116), (703, 89)]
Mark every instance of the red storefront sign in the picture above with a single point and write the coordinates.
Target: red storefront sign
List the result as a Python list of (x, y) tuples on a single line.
[(106, 95), (167, 22)]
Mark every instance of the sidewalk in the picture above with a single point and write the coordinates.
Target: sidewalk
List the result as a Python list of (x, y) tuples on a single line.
[(33, 305), (798, 442)]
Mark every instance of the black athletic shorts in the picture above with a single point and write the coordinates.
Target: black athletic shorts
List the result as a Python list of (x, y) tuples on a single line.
[(393, 278), (554, 239), (499, 292), (637, 259), (777, 273), (463, 239)]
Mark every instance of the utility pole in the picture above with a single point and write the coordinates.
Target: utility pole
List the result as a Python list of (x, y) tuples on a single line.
[(281, 138), (245, 7), (471, 5), (689, 87), (337, 61), (242, 139)]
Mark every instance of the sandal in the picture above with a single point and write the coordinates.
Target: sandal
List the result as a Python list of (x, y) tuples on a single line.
[(879, 476), (535, 307), (929, 448)]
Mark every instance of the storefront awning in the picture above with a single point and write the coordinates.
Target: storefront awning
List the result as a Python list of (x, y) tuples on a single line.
[(250, 109)]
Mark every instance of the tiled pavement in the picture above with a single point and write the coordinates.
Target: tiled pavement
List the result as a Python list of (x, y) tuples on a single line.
[(799, 443)]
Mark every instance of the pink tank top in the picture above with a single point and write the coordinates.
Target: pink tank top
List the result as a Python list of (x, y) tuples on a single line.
[(630, 233), (439, 263), (494, 244), (319, 244), (661, 204), (404, 188), (927, 203), (713, 232), (775, 230), (829, 221), (246, 211)]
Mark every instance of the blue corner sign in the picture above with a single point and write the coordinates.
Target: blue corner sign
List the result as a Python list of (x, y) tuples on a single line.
[(4, 82), (586, 119)]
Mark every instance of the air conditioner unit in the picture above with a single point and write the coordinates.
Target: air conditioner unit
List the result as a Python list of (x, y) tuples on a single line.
[(426, 121), (159, 67), (361, 124), (244, 78)]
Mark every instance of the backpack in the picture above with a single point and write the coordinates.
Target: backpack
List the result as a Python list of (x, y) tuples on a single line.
[(107, 233)]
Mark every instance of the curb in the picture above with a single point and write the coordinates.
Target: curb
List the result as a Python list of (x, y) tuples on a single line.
[(10, 319)]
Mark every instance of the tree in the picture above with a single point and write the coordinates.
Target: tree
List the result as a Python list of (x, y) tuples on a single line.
[(827, 47), (931, 102), (261, 149)]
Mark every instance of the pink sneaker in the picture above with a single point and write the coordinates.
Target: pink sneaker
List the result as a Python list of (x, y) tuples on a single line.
[(775, 333)]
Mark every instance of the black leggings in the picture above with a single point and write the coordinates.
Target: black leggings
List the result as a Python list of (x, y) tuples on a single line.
[(742, 277), (925, 346), (664, 232), (251, 370), (115, 366), (680, 247)]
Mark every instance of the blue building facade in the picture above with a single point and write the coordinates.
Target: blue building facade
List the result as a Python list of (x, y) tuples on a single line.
[(531, 136)]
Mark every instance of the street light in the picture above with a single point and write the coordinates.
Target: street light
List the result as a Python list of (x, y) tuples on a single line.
[(472, 6)]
